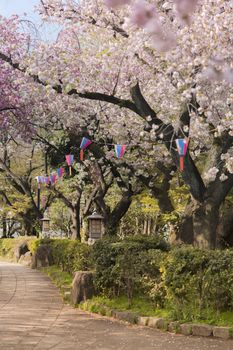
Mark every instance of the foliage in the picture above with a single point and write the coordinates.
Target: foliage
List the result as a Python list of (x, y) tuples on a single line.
[(193, 278), (70, 255), (60, 217), (143, 207), (139, 305), (122, 265), (185, 280), (8, 245), (192, 84), (61, 278)]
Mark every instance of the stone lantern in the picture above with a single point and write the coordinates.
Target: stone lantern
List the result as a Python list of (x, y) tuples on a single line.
[(45, 224), (95, 227)]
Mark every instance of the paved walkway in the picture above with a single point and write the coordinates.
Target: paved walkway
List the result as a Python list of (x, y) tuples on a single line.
[(33, 316)]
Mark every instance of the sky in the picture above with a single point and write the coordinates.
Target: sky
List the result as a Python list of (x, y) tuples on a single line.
[(48, 32)]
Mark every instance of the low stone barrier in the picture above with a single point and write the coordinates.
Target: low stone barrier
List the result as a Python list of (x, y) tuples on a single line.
[(222, 332), (188, 329), (202, 330)]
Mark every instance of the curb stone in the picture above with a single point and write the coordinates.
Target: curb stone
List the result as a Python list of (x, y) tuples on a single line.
[(156, 322), (174, 327), (127, 316), (186, 329), (202, 330), (143, 321), (222, 332)]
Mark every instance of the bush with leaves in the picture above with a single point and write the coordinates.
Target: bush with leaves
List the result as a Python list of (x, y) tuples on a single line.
[(123, 266), (198, 282), (69, 255)]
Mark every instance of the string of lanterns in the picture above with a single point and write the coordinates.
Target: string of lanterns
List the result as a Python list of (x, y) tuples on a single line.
[(182, 147)]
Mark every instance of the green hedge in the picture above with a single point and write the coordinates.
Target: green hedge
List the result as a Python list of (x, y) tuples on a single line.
[(69, 255), (191, 283), (127, 266), (198, 282), (8, 245)]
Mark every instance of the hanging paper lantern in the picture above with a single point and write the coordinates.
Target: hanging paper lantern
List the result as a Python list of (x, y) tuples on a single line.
[(53, 179), (47, 180), (120, 150), (182, 147), (40, 180), (70, 159), (84, 144), (60, 172)]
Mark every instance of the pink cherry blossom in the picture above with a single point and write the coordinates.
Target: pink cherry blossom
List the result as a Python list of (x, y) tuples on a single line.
[(142, 13), (185, 9), (116, 3)]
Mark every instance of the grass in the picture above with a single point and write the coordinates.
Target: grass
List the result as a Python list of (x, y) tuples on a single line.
[(139, 305), (222, 319), (143, 307), (62, 279)]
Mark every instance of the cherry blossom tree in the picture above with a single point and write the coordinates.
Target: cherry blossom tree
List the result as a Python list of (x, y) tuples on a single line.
[(167, 63), (178, 78)]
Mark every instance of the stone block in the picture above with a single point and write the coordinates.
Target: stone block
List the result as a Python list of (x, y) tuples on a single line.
[(143, 321), (20, 250), (82, 286), (174, 327), (202, 330), (126, 316), (222, 332), (43, 257), (186, 328), (26, 259), (157, 322)]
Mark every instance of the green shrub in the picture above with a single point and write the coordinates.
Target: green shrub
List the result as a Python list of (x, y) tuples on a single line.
[(123, 266), (8, 245), (198, 282), (70, 255)]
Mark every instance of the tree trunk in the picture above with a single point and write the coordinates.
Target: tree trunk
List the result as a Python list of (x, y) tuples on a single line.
[(28, 227), (149, 224), (185, 232), (145, 226), (4, 227), (205, 223), (75, 226), (225, 227), (136, 225), (199, 225), (112, 220)]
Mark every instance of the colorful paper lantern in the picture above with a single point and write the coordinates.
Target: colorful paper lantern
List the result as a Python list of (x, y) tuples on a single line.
[(40, 180), (84, 144), (120, 150), (53, 179), (60, 172), (182, 147), (69, 160)]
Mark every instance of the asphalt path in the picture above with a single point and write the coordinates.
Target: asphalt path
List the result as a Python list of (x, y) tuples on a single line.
[(33, 316)]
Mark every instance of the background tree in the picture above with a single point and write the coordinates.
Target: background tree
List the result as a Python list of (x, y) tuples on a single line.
[(170, 91)]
